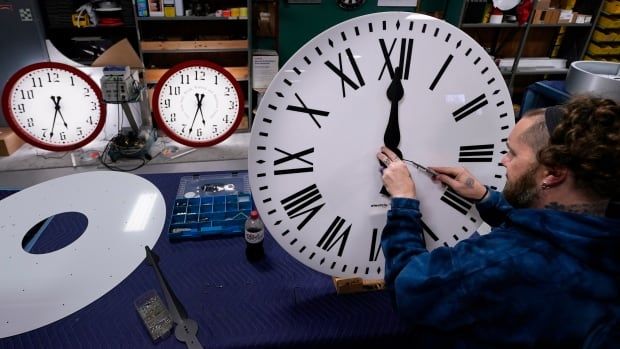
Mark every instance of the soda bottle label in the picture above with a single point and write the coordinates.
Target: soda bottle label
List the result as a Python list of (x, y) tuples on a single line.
[(253, 236)]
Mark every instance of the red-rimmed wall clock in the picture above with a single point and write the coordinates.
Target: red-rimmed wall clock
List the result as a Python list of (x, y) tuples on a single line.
[(53, 106), (313, 171), (198, 103)]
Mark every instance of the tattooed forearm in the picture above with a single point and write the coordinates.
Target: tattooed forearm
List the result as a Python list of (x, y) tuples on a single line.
[(592, 208)]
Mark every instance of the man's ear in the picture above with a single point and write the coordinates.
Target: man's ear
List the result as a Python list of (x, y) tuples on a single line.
[(555, 176)]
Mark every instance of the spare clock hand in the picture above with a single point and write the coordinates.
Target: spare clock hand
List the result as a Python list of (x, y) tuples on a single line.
[(391, 137), (185, 329)]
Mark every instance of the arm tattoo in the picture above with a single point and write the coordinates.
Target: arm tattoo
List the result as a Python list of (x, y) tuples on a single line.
[(469, 183), (592, 208)]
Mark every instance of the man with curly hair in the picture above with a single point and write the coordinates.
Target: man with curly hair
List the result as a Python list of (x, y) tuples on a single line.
[(548, 273)]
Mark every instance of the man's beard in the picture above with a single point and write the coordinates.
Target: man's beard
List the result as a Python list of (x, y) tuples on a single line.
[(524, 191)]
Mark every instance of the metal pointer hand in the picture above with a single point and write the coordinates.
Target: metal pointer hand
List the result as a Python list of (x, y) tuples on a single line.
[(391, 137), (185, 329), (198, 108)]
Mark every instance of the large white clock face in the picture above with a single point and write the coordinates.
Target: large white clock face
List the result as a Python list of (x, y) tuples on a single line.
[(313, 171), (53, 106), (198, 103)]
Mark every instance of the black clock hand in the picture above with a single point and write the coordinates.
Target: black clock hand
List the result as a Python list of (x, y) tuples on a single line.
[(186, 328), (55, 113), (204, 123), (395, 93), (198, 100), (391, 137), (57, 107)]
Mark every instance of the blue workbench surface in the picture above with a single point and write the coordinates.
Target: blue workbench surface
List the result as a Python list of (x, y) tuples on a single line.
[(278, 302)]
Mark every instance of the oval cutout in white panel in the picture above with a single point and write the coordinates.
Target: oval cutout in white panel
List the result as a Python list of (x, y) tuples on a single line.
[(125, 213)]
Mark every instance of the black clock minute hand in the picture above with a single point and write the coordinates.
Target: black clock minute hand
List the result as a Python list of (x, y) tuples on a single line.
[(57, 107), (198, 105), (55, 114), (395, 93)]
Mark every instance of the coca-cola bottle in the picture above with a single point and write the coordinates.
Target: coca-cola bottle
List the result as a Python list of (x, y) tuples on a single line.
[(254, 235)]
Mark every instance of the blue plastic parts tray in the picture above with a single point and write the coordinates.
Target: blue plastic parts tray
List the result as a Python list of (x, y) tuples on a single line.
[(214, 204)]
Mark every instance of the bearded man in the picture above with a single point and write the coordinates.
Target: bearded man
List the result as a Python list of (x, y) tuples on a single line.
[(548, 273)]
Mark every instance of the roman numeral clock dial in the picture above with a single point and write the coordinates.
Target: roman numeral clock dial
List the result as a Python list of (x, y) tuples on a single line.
[(313, 171)]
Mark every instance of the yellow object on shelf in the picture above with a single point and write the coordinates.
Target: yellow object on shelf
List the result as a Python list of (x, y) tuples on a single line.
[(607, 22), (612, 7), (604, 36)]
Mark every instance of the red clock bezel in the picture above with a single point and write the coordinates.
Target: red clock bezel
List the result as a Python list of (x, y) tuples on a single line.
[(162, 124), (14, 125)]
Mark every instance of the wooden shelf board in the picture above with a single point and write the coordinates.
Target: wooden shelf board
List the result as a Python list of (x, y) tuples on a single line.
[(193, 46), (151, 76)]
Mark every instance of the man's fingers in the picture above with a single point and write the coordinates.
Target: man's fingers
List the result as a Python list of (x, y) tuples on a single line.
[(450, 171)]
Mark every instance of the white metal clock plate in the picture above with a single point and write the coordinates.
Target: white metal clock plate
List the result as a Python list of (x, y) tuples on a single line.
[(125, 213)]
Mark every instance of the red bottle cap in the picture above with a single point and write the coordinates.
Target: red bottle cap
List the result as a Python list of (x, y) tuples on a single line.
[(254, 214)]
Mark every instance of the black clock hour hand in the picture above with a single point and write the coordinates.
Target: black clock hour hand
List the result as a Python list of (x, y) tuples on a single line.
[(391, 137), (395, 92), (204, 123), (57, 107)]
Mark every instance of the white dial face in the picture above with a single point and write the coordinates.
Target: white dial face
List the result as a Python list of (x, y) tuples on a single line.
[(198, 104), (54, 106), (313, 170)]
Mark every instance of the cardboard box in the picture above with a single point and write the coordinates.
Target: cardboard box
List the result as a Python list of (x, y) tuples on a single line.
[(9, 141), (549, 16), (542, 4), (566, 16)]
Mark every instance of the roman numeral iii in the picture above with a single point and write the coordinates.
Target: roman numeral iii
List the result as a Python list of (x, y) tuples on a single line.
[(476, 153)]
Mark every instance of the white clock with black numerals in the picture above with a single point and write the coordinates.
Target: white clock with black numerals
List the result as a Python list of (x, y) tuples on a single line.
[(412, 82), (53, 106), (198, 103)]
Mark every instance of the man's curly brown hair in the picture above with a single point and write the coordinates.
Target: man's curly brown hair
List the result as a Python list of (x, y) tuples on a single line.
[(587, 141)]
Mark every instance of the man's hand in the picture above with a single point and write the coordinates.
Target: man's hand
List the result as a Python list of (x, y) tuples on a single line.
[(461, 181), (396, 177)]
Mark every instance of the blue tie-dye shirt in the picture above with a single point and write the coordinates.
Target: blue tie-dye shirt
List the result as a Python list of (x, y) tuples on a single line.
[(541, 278)]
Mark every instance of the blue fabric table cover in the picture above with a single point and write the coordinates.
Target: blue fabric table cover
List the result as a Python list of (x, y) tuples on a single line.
[(277, 302)]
